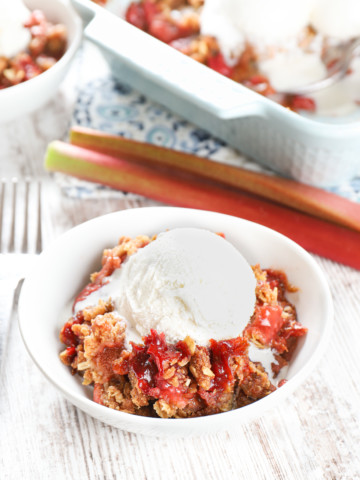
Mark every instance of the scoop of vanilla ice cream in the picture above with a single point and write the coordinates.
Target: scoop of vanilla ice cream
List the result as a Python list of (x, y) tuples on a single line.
[(290, 70), (277, 22), (188, 281), (14, 38), (233, 22), (276, 29), (339, 19)]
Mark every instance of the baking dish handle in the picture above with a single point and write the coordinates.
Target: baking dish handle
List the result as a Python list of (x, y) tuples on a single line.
[(167, 67)]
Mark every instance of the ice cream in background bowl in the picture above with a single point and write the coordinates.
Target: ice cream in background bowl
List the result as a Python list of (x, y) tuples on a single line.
[(14, 37), (275, 48), (260, 22), (290, 37), (339, 19), (19, 99), (279, 23)]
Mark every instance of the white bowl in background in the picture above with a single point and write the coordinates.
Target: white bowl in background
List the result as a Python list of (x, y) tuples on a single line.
[(64, 268), (28, 96)]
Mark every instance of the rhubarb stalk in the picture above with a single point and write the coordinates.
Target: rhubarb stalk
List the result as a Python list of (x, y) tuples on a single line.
[(318, 236), (305, 198)]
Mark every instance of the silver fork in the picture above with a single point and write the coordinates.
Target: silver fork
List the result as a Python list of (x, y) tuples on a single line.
[(20, 243)]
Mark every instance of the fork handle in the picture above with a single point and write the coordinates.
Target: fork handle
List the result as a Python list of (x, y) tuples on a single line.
[(9, 296)]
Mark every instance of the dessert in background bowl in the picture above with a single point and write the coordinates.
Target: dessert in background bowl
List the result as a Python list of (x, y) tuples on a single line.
[(38, 40), (311, 148), (271, 47), (30, 44), (64, 268)]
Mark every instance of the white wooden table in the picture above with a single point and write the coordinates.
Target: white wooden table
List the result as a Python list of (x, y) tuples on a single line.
[(315, 435)]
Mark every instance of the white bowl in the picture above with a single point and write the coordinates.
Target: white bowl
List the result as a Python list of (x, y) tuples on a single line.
[(28, 96), (64, 268)]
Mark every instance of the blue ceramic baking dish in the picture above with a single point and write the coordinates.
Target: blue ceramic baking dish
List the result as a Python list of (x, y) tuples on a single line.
[(313, 151)]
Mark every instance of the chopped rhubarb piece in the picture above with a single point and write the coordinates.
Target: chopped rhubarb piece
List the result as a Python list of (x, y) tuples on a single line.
[(135, 15), (70, 351), (144, 369), (167, 31), (110, 264), (25, 63), (258, 79), (260, 84), (218, 63), (68, 355), (37, 17), (221, 354), (278, 279), (151, 10), (266, 323), (67, 336), (294, 329), (284, 342), (86, 291), (303, 103), (182, 44), (97, 394), (156, 363)]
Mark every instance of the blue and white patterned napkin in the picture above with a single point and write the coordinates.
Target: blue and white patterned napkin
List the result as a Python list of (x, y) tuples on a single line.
[(106, 105)]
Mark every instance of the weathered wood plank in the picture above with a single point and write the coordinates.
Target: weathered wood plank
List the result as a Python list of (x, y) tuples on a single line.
[(314, 435)]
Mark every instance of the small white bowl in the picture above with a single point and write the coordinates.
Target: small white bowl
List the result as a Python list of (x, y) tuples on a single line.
[(64, 268), (28, 96)]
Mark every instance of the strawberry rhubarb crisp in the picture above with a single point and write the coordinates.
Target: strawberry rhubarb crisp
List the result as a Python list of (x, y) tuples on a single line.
[(143, 337), (34, 46), (273, 47)]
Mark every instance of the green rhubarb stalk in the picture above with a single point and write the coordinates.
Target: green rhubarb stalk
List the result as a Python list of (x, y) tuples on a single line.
[(305, 198), (318, 236)]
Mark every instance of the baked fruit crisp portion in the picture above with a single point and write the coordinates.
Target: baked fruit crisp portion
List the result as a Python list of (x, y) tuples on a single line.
[(47, 45), (180, 379), (177, 23), (274, 50)]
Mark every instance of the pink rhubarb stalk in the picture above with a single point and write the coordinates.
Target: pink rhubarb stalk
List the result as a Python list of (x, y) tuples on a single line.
[(305, 198), (318, 236)]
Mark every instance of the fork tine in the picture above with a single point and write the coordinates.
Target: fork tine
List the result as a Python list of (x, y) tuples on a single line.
[(25, 243), (11, 247), (8, 242), (39, 226), (2, 196)]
